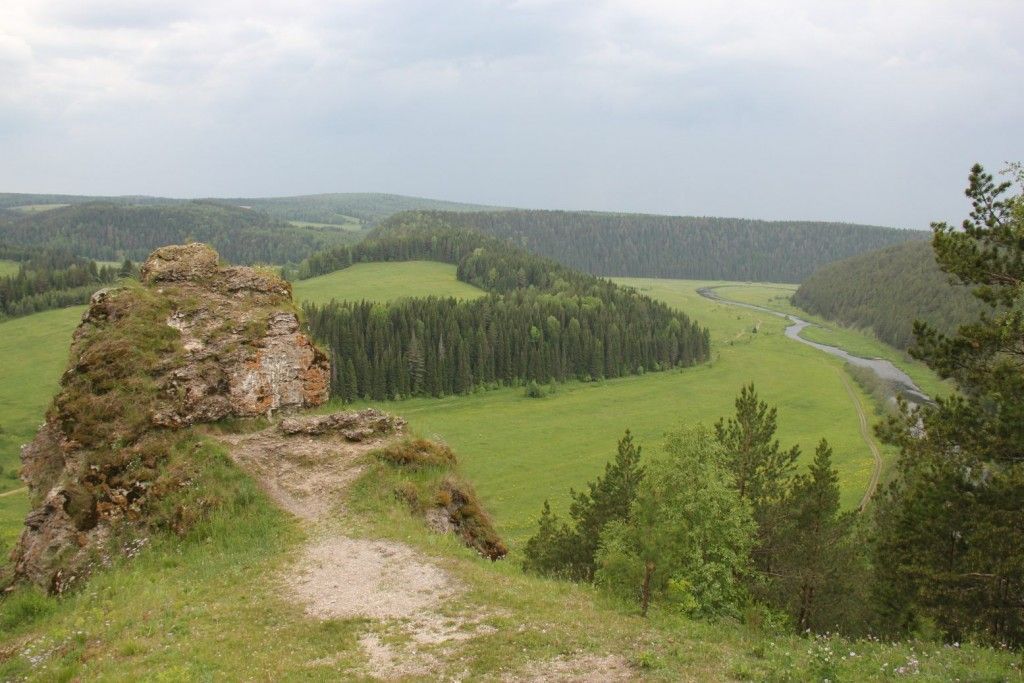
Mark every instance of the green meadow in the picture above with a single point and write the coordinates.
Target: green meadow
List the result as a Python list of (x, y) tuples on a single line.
[(520, 451), (350, 225), (384, 282), (33, 208), (8, 267), (34, 349)]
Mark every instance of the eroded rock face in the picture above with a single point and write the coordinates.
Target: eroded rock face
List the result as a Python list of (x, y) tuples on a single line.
[(239, 352)]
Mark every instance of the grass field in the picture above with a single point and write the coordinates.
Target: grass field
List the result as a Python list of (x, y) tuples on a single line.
[(35, 350), (384, 282), (351, 225), (34, 208), (520, 451), (8, 267)]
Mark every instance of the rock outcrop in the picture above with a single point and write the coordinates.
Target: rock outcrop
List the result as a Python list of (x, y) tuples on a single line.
[(353, 426), (196, 342)]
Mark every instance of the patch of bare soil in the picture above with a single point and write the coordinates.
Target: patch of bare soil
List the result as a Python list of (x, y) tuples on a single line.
[(305, 475), (342, 578), (578, 669)]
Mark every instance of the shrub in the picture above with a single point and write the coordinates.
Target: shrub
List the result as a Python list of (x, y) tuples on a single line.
[(417, 453), (471, 521)]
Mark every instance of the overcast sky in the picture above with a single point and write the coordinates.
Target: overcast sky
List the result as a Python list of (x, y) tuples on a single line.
[(860, 111)]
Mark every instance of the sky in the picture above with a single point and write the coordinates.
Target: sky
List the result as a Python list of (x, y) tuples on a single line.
[(869, 112)]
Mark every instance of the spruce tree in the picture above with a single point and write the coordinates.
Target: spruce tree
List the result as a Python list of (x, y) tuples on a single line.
[(812, 568)]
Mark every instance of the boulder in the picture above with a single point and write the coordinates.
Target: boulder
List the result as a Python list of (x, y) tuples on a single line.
[(180, 262)]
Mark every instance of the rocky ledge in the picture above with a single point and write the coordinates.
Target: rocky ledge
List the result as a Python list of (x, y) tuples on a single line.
[(195, 342)]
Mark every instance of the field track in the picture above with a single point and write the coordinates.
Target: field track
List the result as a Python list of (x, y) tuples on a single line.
[(876, 472)]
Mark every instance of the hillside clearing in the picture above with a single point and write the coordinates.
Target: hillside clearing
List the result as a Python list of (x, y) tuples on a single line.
[(8, 267), (385, 282)]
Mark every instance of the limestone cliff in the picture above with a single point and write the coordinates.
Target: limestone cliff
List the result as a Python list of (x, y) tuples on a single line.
[(195, 342)]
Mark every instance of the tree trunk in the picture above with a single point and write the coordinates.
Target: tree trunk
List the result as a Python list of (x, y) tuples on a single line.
[(645, 588)]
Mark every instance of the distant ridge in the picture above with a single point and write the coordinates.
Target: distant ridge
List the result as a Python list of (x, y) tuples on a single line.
[(887, 290), (606, 244), (333, 207), (682, 247)]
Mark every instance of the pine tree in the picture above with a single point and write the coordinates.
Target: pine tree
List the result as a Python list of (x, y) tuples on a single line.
[(950, 527), (608, 498), (761, 469), (350, 390), (417, 368), (688, 535)]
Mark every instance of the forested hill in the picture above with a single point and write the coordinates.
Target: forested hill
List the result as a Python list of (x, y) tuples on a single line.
[(542, 322), (640, 245), (109, 231), (886, 291), (367, 208)]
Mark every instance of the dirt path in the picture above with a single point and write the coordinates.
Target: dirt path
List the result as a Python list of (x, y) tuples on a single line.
[(14, 492), (865, 433), (337, 576)]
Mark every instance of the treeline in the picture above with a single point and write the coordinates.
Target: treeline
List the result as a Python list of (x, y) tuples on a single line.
[(887, 291), (435, 347), (51, 278), (487, 262), (110, 231), (638, 245), (542, 322)]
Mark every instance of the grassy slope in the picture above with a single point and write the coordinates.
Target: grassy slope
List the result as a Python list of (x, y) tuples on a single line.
[(209, 607), (385, 281), (8, 267)]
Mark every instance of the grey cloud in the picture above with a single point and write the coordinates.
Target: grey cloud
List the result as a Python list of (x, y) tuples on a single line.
[(850, 111)]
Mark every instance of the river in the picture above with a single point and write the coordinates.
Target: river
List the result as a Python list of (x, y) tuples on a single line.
[(882, 368)]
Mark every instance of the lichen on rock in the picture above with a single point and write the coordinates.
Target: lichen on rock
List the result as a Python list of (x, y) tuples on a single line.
[(194, 342)]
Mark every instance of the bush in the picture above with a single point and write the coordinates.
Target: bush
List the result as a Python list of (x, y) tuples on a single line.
[(533, 390), (417, 453)]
